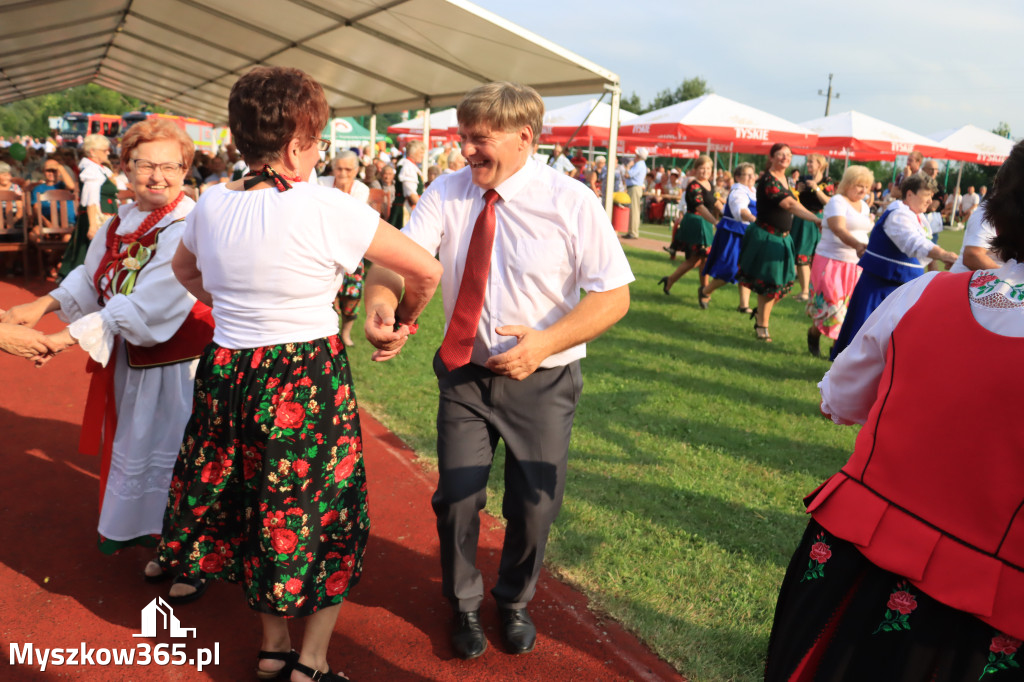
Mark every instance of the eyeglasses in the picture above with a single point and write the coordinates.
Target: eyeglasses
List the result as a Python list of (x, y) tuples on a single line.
[(145, 168), (322, 145)]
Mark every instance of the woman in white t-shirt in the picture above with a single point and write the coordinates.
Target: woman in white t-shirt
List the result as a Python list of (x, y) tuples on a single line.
[(977, 253), (269, 489), (834, 269)]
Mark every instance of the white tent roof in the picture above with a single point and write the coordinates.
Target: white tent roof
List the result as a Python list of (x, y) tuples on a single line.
[(370, 55), (715, 119), (971, 143), (594, 121), (866, 137), (441, 122)]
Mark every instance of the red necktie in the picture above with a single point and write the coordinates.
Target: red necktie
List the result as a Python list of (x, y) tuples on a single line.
[(457, 346)]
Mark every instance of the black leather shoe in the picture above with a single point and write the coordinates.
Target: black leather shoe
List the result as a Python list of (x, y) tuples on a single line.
[(468, 638), (517, 630)]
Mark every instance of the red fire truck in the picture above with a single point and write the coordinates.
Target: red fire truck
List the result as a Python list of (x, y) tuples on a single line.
[(201, 132)]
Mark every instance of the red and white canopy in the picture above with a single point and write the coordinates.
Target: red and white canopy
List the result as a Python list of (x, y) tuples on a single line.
[(971, 143), (858, 136), (715, 120), (591, 125), (443, 124)]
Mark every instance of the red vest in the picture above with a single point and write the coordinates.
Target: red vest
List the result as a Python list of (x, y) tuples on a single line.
[(934, 490)]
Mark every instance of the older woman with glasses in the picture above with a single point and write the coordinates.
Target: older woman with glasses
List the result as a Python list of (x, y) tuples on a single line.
[(98, 200), (143, 332), (270, 490)]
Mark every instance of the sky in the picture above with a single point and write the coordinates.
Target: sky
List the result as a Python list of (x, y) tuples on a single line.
[(924, 66)]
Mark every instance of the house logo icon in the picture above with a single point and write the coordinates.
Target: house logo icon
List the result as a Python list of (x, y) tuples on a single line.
[(157, 613)]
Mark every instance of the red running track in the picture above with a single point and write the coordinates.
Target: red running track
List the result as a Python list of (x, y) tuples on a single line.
[(58, 591)]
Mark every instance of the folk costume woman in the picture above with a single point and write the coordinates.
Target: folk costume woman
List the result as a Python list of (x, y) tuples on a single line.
[(723, 260), (912, 566), (98, 200), (697, 227), (143, 333), (767, 257), (899, 249), (815, 190), (269, 489), (834, 271)]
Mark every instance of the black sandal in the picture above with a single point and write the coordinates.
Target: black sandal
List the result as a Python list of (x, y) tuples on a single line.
[(702, 300), (664, 285), (814, 343), (163, 575), (318, 676), (290, 658), (200, 585), (746, 311), (765, 336)]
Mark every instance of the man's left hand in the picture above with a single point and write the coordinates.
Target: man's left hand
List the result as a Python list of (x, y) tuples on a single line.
[(524, 358)]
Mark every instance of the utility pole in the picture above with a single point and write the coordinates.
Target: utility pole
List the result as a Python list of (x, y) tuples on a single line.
[(828, 96)]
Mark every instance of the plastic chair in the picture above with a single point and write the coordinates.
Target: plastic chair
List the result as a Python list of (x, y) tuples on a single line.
[(52, 230), (13, 237)]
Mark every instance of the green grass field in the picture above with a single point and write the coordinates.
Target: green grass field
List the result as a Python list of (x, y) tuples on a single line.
[(692, 449)]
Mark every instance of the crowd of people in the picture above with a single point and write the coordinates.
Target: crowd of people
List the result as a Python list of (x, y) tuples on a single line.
[(769, 231), (254, 472)]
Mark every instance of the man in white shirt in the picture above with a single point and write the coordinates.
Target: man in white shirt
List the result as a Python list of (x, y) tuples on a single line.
[(408, 183), (559, 162), (969, 202), (518, 241)]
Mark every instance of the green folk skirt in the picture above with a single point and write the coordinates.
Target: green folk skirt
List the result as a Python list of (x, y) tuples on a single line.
[(767, 262), (694, 236), (806, 236)]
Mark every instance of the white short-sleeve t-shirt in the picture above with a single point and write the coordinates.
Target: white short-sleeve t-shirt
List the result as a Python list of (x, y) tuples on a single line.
[(858, 223), (979, 232), (273, 261)]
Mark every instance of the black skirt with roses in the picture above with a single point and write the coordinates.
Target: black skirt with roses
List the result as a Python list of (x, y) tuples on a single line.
[(841, 618), (269, 489)]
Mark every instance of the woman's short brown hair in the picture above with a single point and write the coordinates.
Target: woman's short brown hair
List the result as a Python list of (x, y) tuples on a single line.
[(703, 160), (918, 182), (503, 106), (269, 106), (151, 130), (1004, 206)]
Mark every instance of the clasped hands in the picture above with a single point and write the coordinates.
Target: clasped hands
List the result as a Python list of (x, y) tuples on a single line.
[(18, 337), (517, 363)]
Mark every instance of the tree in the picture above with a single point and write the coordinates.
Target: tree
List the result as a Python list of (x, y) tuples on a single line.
[(631, 104), (29, 116), (691, 88), (1002, 130)]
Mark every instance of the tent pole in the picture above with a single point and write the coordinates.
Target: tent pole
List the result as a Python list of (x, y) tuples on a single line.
[(373, 131), (956, 196), (426, 137), (613, 147)]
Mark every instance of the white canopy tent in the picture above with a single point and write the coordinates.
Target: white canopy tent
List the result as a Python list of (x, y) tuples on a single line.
[(972, 144), (370, 55)]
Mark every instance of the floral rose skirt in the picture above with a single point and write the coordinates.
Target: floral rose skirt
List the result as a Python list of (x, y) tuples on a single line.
[(269, 489), (351, 292), (839, 617)]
